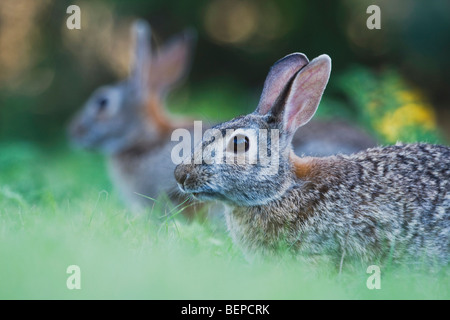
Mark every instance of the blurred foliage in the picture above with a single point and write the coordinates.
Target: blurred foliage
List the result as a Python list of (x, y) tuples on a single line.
[(48, 71), (392, 108)]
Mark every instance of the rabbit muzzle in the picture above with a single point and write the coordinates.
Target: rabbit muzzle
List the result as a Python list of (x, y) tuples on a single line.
[(181, 175), (189, 182)]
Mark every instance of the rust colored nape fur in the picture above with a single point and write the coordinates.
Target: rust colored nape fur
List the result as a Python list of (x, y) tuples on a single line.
[(154, 112), (303, 167)]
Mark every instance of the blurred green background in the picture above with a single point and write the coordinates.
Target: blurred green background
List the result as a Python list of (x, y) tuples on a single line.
[(57, 205)]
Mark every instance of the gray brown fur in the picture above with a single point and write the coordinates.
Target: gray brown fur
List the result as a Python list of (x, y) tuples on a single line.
[(143, 172), (367, 204)]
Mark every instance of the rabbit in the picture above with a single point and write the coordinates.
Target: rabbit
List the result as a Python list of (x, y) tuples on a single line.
[(315, 139), (127, 122), (384, 202)]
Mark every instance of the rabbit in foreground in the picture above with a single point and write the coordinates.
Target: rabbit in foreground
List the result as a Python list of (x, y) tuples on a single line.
[(392, 201), (127, 121)]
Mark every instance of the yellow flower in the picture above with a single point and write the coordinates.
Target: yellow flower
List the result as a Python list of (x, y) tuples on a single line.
[(411, 114)]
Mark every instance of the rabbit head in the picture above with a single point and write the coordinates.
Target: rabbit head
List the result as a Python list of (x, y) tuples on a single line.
[(119, 115), (245, 161)]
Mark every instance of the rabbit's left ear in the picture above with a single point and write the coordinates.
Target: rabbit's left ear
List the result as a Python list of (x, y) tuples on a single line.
[(172, 62), (140, 64), (305, 94)]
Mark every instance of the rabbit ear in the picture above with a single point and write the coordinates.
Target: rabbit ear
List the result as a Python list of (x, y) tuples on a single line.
[(141, 55), (278, 78), (172, 61), (305, 93)]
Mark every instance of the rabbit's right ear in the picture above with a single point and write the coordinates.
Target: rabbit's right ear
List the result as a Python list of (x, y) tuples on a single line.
[(172, 62), (140, 65), (305, 93), (278, 78)]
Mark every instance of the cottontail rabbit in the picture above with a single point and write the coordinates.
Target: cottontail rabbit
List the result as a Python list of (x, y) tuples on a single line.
[(392, 201), (127, 120)]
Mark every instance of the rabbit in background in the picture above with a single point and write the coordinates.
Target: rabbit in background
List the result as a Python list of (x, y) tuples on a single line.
[(391, 201), (316, 140), (127, 120)]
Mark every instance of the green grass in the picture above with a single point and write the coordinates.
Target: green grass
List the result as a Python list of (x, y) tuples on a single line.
[(57, 208)]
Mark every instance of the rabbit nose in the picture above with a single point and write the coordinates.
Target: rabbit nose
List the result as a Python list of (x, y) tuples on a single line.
[(181, 174)]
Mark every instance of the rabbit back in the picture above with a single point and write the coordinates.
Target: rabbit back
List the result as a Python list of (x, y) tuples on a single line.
[(394, 200), (315, 139)]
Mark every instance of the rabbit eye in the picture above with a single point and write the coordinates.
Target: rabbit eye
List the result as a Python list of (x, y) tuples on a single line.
[(241, 143), (102, 103)]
